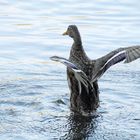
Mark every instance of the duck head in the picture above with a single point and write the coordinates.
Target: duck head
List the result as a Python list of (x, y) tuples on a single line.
[(73, 32)]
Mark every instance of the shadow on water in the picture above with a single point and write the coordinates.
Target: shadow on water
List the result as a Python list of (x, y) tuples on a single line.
[(80, 127)]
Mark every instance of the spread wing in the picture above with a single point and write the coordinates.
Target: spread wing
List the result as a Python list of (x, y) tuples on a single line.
[(79, 74), (122, 54)]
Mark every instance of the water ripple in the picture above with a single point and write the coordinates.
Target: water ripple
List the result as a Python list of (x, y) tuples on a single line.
[(34, 95)]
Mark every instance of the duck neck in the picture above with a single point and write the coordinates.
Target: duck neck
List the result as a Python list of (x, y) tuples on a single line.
[(77, 42)]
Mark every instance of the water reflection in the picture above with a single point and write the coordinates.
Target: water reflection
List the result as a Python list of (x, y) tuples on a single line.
[(80, 127)]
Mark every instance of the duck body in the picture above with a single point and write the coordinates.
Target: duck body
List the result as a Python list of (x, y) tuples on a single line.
[(83, 73), (88, 99)]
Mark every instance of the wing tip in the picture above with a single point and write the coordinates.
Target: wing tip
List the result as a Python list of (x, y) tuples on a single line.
[(54, 58)]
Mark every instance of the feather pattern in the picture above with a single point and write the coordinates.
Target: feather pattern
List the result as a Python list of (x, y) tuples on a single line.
[(129, 54), (64, 61), (132, 54), (114, 60), (79, 74)]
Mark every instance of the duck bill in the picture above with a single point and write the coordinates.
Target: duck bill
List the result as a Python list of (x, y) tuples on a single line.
[(65, 33)]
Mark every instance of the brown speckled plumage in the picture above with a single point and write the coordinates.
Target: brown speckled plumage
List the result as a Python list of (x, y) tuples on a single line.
[(84, 102), (83, 73)]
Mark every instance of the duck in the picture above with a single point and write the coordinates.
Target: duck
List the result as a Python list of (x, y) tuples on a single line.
[(83, 73)]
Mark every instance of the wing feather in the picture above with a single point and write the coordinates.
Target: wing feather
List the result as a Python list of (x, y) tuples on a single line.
[(114, 60), (132, 54), (79, 74), (128, 54)]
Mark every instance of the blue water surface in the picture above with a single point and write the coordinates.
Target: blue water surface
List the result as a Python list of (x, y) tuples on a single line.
[(34, 96)]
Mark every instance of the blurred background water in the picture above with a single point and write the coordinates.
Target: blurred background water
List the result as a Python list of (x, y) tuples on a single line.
[(34, 96)]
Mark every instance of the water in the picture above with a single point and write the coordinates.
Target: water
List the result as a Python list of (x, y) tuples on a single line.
[(34, 96)]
